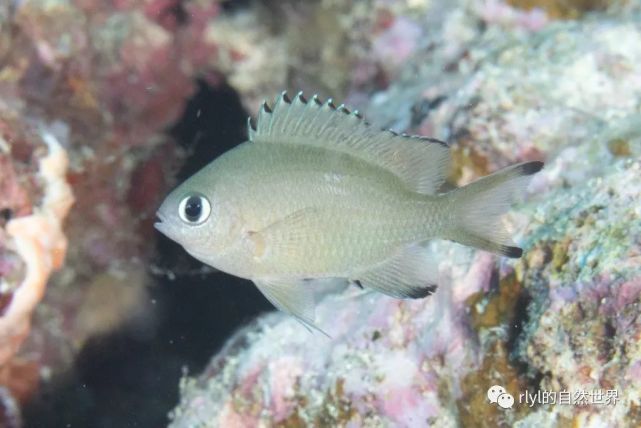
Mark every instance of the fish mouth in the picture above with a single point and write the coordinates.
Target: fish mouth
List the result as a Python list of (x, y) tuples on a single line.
[(161, 225)]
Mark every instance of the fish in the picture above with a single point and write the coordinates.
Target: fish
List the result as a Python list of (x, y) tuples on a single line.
[(317, 193)]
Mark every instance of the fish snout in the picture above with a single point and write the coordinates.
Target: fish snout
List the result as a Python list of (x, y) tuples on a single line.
[(161, 225)]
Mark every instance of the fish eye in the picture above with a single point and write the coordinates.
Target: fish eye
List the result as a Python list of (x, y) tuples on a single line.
[(194, 209)]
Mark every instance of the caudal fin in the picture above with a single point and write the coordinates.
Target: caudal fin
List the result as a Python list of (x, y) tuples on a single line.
[(478, 208)]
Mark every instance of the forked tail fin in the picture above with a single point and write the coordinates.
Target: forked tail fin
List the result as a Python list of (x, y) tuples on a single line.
[(478, 207)]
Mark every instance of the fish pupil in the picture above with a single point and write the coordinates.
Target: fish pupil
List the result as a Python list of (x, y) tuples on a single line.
[(193, 208)]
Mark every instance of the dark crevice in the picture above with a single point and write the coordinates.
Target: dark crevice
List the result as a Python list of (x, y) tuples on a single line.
[(179, 12), (516, 338), (231, 6), (520, 319), (128, 379), (6, 214)]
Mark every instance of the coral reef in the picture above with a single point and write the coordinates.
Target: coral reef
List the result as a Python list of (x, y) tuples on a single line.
[(88, 89), (563, 320), (327, 47), (388, 362), (527, 97), (584, 278)]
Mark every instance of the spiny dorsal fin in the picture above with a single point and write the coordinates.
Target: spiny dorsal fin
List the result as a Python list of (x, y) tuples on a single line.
[(421, 162)]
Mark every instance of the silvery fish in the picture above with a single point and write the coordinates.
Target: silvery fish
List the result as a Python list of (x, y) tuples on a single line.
[(318, 193)]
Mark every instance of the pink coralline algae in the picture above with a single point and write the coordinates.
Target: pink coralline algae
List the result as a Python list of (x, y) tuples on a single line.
[(397, 43), (501, 13), (379, 367), (121, 71), (563, 319), (388, 362)]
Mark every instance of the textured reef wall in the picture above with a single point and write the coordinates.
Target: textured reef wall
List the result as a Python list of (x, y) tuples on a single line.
[(502, 85), (87, 90)]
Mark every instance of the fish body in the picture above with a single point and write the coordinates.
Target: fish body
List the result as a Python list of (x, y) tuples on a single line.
[(348, 214), (318, 193)]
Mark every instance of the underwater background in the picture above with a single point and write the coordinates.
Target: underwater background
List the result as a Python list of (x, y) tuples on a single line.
[(106, 105)]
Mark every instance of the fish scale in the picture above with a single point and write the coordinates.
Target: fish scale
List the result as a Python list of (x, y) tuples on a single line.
[(343, 242), (374, 210)]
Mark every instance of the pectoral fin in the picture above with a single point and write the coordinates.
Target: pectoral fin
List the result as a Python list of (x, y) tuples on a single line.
[(294, 297), (285, 236), (411, 273)]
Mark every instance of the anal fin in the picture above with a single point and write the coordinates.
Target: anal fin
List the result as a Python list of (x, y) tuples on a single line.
[(294, 297), (411, 273)]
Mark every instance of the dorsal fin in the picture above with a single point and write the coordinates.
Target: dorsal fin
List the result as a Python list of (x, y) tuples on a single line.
[(421, 162)]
